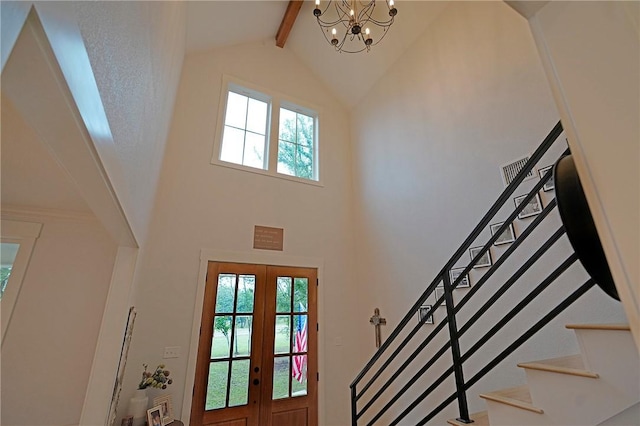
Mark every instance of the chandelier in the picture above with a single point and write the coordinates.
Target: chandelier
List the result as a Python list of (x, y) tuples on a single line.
[(350, 23)]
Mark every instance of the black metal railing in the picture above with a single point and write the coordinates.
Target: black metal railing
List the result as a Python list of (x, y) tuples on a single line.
[(368, 388)]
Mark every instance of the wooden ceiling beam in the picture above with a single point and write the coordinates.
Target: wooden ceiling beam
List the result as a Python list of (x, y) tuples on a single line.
[(287, 22)]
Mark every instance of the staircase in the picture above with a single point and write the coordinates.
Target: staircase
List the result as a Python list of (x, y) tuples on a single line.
[(481, 311), (598, 385)]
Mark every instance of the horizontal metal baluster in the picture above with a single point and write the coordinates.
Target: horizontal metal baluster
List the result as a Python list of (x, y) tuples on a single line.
[(497, 205), (533, 330), (422, 396), (413, 379), (512, 280), (503, 258), (404, 365), (513, 312)]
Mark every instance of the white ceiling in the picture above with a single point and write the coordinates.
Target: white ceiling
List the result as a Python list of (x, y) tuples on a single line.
[(31, 177), (212, 24)]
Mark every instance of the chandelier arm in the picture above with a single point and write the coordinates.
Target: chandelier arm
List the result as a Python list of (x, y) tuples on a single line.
[(355, 25)]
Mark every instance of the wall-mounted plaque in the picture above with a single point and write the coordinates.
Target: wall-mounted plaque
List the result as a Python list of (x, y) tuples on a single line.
[(267, 238)]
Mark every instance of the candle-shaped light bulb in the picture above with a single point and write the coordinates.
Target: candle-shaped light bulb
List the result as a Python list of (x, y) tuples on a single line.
[(352, 13), (317, 2), (391, 3), (366, 31), (333, 32)]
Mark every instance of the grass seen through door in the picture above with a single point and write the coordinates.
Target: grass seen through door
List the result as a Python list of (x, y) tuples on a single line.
[(238, 392)]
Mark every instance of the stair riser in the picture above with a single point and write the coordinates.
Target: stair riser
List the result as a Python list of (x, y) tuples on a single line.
[(613, 355), (573, 400)]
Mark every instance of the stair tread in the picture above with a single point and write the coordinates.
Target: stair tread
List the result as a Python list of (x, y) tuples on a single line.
[(517, 397), (479, 419), (598, 327), (572, 365)]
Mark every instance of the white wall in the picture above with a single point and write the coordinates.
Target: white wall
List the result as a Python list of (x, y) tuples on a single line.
[(49, 346), (203, 206), (428, 139), (591, 52), (136, 51)]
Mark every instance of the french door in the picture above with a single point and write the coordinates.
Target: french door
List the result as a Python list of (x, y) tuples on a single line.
[(257, 354)]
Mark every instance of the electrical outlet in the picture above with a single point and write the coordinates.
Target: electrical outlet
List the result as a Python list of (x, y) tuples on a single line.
[(171, 352)]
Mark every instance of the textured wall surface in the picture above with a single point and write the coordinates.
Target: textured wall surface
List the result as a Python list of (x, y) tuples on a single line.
[(136, 51)]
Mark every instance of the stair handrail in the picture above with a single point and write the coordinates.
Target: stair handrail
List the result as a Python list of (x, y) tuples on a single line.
[(454, 333)]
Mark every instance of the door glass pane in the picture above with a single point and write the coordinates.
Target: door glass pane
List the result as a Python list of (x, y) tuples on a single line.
[(301, 288), (8, 252), (300, 337), (281, 377), (239, 390), (225, 294), (299, 375), (242, 338), (221, 342), (283, 331), (246, 290), (217, 385), (283, 294)]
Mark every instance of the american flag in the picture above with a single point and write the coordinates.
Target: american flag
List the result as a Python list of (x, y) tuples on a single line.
[(300, 345)]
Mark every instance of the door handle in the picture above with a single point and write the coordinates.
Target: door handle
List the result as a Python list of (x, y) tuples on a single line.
[(256, 381)]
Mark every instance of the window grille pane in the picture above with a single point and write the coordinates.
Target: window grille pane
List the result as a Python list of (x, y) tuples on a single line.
[(295, 148), (254, 151), (287, 158), (9, 252), (236, 114), (305, 131), (287, 125), (232, 145), (257, 116)]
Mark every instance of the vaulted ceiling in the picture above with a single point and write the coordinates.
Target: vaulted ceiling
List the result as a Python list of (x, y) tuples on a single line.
[(32, 178), (213, 24)]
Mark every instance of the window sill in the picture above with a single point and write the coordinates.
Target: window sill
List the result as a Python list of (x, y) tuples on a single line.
[(267, 173)]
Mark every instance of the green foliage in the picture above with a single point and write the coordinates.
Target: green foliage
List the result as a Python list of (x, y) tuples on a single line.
[(4, 278), (295, 149)]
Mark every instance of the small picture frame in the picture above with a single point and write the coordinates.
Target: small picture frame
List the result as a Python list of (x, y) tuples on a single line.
[(425, 314), (154, 416), (484, 261), (508, 236), (455, 273), (533, 207), (127, 421), (166, 404), (549, 186), (440, 293)]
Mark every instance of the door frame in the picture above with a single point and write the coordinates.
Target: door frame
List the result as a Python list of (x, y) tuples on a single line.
[(259, 258)]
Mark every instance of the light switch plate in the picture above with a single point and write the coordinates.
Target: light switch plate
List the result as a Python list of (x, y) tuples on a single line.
[(171, 352)]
